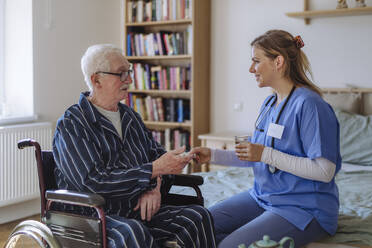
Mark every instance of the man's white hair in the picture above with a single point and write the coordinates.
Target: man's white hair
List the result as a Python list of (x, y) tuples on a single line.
[(96, 58)]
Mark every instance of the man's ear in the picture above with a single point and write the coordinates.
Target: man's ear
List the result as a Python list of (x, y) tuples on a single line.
[(279, 62), (95, 79)]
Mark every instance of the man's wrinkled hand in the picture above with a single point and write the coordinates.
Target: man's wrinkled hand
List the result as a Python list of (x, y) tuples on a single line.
[(149, 203)]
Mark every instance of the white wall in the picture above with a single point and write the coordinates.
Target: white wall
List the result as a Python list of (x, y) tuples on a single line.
[(75, 25), (339, 50)]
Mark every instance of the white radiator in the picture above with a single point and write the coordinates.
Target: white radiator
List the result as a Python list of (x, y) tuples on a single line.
[(18, 172)]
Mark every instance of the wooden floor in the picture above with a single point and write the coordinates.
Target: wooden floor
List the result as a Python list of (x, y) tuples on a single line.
[(7, 228)]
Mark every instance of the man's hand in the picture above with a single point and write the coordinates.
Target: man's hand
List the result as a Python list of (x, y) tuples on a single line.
[(249, 151), (171, 162), (203, 154), (149, 202)]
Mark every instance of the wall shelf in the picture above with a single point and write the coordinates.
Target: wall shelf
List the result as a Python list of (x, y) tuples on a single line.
[(159, 57), (158, 23), (164, 124), (308, 14), (164, 93)]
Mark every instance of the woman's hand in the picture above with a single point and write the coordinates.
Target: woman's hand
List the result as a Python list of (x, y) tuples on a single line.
[(203, 154), (171, 162), (149, 202), (249, 151)]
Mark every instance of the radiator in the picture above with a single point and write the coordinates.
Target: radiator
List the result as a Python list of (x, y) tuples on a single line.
[(18, 172)]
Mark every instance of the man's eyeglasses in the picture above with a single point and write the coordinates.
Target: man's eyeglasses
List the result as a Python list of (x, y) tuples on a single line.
[(123, 75)]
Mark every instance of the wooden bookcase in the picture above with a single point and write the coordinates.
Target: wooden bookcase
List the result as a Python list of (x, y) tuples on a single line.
[(198, 60)]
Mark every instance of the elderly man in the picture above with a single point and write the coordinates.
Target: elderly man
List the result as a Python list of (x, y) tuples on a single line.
[(102, 146)]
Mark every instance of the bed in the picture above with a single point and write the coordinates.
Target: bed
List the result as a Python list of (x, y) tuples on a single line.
[(353, 108)]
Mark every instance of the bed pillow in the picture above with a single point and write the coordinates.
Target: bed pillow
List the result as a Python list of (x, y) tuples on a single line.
[(355, 137), (367, 103), (349, 102)]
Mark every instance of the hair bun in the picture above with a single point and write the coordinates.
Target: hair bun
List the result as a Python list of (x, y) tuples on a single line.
[(299, 42)]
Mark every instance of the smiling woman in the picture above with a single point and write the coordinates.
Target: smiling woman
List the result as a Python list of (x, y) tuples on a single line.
[(16, 65)]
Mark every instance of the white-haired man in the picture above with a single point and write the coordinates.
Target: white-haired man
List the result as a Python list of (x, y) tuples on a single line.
[(102, 146)]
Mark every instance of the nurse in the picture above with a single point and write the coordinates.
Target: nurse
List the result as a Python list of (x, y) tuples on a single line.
[(294, 152)]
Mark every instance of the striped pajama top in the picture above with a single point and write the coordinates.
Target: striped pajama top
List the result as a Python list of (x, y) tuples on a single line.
[(91, 157)]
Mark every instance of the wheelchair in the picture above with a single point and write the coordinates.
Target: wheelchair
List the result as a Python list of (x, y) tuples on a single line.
[(62, 229)]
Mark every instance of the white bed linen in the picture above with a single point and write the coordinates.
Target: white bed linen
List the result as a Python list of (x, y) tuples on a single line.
[(355, 187), (354, 167)]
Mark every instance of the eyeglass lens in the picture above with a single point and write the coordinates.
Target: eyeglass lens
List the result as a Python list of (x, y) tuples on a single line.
[(124, 75)]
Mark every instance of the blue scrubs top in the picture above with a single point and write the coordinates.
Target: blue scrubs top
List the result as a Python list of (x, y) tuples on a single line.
[(310, 130)]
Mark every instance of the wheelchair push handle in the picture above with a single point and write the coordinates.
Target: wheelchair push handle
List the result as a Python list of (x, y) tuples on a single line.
[(27, 143)]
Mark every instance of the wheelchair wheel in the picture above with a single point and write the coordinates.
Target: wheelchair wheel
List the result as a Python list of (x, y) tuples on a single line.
[(31, 233)]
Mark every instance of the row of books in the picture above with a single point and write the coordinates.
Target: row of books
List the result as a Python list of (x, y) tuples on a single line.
[(160, 109), (149, 77), (158, 10), (160, 43), (172, 139)]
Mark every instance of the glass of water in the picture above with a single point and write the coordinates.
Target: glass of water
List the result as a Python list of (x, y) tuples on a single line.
[(242, 139)]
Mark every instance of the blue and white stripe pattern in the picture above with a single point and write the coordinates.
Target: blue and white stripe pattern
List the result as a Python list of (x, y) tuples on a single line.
[(91, 157)]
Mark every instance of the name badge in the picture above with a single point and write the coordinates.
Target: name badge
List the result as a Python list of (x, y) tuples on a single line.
[(275, 130)]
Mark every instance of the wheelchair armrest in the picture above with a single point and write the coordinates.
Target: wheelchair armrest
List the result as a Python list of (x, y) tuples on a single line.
[(187, 180), (75, 198), (192, 181)]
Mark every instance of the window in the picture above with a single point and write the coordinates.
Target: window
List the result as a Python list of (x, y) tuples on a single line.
[(16, 62), (2, 27)]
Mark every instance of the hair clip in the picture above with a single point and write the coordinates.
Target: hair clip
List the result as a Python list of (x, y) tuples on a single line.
[(299, 42)]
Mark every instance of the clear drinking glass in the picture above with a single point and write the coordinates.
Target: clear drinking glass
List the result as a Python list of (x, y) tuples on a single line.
[(242, 139)]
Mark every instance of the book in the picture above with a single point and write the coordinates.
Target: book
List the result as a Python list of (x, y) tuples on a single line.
[(165, 10), (140, 11), (180, 110), (149, 110), (148, 10), (134, 11), (159, 104), (155, 77), (160, 43), (132, 45), (172, 109), (148, 77), (176, 139), (174, 43), (166, 45), (143, 108), (129, 50), (167, 139), (153, 10), (186, 109), (155, 109), (169, 44), (130, 11)]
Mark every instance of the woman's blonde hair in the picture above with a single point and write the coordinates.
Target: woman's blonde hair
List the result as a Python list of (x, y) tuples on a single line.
[(297, 66)]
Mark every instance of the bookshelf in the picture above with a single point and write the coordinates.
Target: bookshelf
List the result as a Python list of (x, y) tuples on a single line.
[(308, 14), (190, 27)]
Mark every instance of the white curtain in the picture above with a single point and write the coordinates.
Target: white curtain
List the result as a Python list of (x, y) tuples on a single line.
[(17, 84), (2, 27)]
